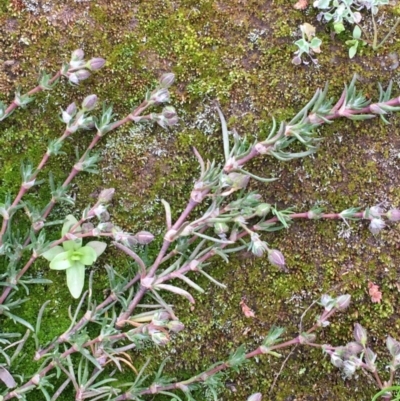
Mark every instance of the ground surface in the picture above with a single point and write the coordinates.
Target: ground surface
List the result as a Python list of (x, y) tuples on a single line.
[(240, 53)]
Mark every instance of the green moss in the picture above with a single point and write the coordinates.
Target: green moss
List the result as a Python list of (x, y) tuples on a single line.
[(207, 45)]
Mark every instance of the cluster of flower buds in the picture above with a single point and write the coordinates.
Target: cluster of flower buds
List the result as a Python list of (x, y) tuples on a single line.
[(127, 239), (78, 119), (78, 69), (167, 118), (340, 303), (159, 326), (235, 182), (375, 214), (356, 354), (161, 93)]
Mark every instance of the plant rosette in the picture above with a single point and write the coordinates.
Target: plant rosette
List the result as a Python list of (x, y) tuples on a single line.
[(72, 256)]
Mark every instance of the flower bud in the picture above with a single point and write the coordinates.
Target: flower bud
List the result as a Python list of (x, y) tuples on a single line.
[(360, 334), (105, 227), (255, 397), (95, 64), (166, 80), (160, 96), (349, 368), (169, 112), (393, 346), (393, 215), (66, 117), (77, 55), (376, 226), (258, 247), (87, 227), (370, 358), (276, 258), (221, 228), (353, 348), (176, 326), (73, 78), (144, 237), (89, 103), (336, 360), (159, 338), (106, 195), (343, 301), (263, 209), (237, 180), (71, 109), (99, 210), (375, 211), (82, 74)]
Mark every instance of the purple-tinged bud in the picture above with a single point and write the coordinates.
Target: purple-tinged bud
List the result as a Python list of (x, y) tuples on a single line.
[(237, 180), (221, 228), (370, 358), (336, 360), (375, 108), (353, 348), (82, 74), (169, 112), (105, 227), (393, 346), (166, 80), (343, 301), (159, 338), (73, 78), (258, 247), (176, 326), (106, 195), (360, 334), (162, 315), (104, 217), (160, 96), (276, 258), (263, 209), (349, 368), (327, 302), (376, 211), (87, 227), (95, 64), (77, 55), (376, 225), (393, 215), (296, 60), (66, 117), (71, 109), (144, 237), (89, 103), (98, 210), (255, 397)]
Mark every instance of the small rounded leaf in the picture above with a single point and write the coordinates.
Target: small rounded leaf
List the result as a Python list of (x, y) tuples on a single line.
[(52, 253), (98, 246)]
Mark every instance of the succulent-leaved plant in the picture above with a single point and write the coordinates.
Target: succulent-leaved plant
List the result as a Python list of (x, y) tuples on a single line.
[(72, 256)]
